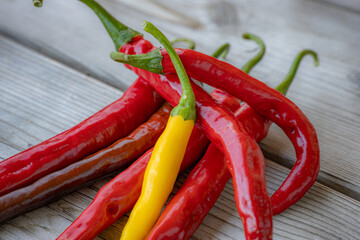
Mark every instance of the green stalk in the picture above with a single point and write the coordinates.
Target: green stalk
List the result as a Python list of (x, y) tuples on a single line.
[(188, 41), (256, 59), (150, 61), (285, 84), (222, 51), (119, 33), (38, 3), (186, 106)]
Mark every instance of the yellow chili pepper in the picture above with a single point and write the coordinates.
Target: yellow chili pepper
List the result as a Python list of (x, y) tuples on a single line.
[(159, 177), (164, 165)]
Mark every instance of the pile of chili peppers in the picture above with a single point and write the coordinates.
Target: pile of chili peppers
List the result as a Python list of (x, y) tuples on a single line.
[(229, 123)]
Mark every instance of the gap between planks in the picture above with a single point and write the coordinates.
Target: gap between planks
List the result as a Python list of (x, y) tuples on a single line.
[(350, 189), (65, 60), (233, 220)]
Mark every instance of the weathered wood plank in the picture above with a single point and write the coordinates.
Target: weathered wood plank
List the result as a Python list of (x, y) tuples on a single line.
[(41, 99), (322, 213), (328, 95)]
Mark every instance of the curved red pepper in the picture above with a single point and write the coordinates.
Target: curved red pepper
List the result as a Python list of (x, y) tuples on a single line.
[(271, 104), (187, 209), (121, 193), (223, 97), (82, 173), (246, 162), (190, 205), (203, 186), (98, 131)]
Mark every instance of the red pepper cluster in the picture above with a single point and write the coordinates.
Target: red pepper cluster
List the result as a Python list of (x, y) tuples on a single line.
[(125, 132)]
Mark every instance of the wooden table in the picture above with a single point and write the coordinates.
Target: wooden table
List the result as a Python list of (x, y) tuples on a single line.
[(55, 72)]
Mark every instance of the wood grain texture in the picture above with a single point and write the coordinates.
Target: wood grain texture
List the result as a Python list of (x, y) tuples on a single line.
[(43, 97), (64, 75), (329, 95), (322, 213)]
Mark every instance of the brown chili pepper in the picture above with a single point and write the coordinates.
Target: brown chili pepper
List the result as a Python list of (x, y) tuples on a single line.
[(98, 131), (121, 193), (84, 172)]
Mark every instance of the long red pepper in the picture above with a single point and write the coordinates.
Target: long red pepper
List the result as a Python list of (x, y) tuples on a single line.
[(187, 209), (231, 102), (222, 129), (244, 159), (271, 104), (82, 173), (122, 192), (98, 131), (266, 101)]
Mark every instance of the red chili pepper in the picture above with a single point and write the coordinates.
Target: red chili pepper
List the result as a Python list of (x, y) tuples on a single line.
[(266, 101), (82, 173), (223, 97), (121, 193), (245, 158), (98, 131), (103, 128), (187, 209), (272, 105), (98, 217)]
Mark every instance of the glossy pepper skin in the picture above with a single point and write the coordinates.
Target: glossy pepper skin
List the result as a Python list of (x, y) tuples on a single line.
[(160, 176), (272, 105), (263, 216), (120, 194), (82, 173), (266, 101), (164, 165), (187, 209), (127, 184), (223, 97), (245, 157), (98, 131)]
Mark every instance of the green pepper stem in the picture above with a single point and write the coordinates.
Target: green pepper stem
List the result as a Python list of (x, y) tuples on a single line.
[(186, 106), (285, 84), (222, 51), (256, 59), (119, 33), (188, 41), (38, 3), (150, 61)]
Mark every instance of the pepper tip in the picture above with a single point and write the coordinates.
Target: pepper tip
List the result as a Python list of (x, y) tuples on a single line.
[(145, 24), (37, 3), (119, 57), (246, 36)]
